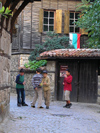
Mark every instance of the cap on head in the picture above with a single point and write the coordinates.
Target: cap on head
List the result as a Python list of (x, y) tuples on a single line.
[(21, 70), (38, 70), (68, 70), (45, 71)]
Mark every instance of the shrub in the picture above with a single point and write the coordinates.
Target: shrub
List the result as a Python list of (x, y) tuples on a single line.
[(52, 42), (33, 65)]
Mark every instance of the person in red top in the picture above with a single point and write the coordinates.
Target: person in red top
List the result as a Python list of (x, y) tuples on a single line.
[(67, 88)]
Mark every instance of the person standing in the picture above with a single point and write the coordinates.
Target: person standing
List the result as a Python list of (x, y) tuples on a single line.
[(67, 88), (20, 89), (46, 88), (36, 80)]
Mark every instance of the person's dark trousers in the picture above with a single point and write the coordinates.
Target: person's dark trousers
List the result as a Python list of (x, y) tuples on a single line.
[(20, 96)]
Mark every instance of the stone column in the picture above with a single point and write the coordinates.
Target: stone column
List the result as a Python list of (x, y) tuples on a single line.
[(5, 53)]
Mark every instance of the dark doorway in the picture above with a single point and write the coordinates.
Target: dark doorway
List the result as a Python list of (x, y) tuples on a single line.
[(85, 80)]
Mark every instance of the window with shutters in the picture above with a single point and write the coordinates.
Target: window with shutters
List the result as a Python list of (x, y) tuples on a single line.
[(72, 19), (48, 20)]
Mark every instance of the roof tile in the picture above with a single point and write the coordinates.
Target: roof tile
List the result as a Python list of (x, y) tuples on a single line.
[(72, 53)]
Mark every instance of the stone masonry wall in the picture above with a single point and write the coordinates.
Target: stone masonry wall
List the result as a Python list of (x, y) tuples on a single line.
[(98, 100), (5, 52), (18, 61)]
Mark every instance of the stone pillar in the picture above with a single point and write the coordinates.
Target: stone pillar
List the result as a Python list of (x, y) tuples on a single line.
[(98, 100), (5, 53)]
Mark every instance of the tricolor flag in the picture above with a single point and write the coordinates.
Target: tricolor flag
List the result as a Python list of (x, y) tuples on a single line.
[(75, 40)]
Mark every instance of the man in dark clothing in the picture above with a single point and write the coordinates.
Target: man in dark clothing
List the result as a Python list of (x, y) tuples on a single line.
[(67, 88), (20, 89), (36, 80)]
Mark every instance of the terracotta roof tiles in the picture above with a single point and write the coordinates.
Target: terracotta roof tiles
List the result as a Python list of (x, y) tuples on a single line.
[(71, 53)]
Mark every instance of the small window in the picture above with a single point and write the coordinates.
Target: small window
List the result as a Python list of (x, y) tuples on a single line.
[(73, 18), (48, 21)]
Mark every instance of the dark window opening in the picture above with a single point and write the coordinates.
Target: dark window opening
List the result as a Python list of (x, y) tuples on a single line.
[(48, 21), (73, 18)]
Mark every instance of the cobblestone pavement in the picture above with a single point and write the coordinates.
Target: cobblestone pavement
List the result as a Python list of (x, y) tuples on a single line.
[(81, 118)]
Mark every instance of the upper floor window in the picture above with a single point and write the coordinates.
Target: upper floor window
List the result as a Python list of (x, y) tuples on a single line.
[(48, 20), (73, 18)]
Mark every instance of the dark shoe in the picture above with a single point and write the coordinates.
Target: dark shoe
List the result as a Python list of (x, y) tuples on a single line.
[(40, 107), (69, 105), (33, 106), (65, 106), (19, 105), (24, 104), (47, 107)]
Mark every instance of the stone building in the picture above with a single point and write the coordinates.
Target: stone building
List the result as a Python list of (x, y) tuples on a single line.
[(32, 24), (35, 19), (31, 28)]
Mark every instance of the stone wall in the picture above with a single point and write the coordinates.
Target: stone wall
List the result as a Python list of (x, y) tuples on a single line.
[(17, 63), (5, 53), (98, 100)]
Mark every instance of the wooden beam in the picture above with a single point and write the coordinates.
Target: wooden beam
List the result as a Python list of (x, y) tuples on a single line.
[(23, 5), (7, 3), (12, 9)]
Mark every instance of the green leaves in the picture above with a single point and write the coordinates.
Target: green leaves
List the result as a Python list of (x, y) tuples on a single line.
[(5, 12), (33, 65), (91, 22), (53, 41), (2, 10)]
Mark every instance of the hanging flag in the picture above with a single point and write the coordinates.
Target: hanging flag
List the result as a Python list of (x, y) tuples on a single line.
[(75, 40)]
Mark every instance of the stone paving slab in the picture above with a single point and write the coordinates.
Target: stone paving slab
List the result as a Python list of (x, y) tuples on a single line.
[(80, 118)]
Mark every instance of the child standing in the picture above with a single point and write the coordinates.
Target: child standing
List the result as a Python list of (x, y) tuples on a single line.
[(46, 88), (37, 78), (67, 88), (20, 89)]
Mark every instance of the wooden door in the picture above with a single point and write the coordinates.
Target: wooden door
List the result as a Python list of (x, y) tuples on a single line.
[(73, 65), (88, 81), (85, 80)]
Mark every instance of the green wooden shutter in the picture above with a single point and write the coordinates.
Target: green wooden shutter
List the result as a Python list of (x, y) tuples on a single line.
[(41, 20), (66, 22)]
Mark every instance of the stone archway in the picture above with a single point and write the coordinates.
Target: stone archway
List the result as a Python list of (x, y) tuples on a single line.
[(6, 27)]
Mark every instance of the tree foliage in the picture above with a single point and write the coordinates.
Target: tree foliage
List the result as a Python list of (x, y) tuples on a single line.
[(90, 21), (52, 42), (33, 65)]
